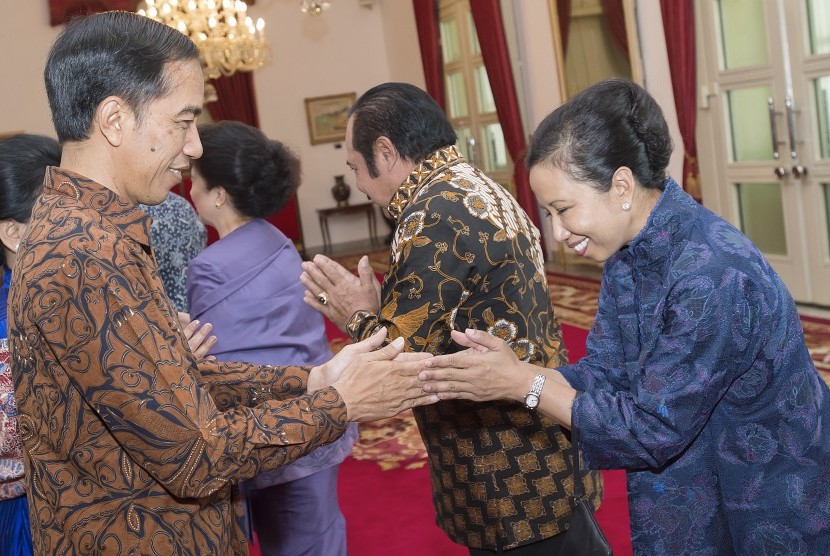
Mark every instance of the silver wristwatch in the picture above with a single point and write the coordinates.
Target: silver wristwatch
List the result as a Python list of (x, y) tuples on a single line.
[(532, 398)]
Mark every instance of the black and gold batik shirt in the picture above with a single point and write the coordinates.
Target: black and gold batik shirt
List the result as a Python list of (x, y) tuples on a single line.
[(465, 255)]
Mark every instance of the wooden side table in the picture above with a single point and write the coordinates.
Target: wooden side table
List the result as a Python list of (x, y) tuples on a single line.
[(366, 208)]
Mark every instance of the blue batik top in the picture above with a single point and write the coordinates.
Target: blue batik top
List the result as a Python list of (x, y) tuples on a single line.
[(698, 382)]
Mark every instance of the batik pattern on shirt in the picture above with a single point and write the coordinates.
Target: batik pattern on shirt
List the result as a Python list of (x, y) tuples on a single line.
[(132, 446), (699, 382), (465, 255)]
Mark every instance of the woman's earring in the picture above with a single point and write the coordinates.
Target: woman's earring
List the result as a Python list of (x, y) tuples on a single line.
[(217, 204), (626, 206)]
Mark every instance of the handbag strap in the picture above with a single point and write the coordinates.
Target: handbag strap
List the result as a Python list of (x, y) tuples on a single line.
[(578, 487)]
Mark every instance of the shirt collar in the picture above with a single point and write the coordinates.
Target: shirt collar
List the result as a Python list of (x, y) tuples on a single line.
[(122, 214), (436, 162), (674, 212)]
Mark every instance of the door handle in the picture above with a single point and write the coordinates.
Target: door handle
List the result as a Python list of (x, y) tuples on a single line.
[(799, 171), (791, 112), (773, 129), (473, 150), (780, 171)]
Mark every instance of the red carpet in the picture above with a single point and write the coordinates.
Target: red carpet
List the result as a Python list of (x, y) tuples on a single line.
[(385, 492)]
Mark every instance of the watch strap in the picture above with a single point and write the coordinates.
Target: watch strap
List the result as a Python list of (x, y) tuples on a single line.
[(535, 390)]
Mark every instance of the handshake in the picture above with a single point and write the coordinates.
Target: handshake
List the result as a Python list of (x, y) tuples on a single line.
[(374, 383)]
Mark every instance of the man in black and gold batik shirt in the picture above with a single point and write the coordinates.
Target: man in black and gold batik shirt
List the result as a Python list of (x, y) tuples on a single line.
[(464, 255)]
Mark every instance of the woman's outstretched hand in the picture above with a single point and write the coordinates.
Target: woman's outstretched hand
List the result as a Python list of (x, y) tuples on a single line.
[(487, 370)]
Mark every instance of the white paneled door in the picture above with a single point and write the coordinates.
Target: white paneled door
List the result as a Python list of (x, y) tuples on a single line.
[(764, 130)]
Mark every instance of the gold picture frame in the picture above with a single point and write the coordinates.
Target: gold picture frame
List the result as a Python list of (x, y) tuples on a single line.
[(327, 117)]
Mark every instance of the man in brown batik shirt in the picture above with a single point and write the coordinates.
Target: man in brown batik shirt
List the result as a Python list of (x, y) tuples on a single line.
[(131, 445), (464, 255)]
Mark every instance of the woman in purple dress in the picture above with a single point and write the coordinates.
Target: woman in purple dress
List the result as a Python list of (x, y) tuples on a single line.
[(247, 285)]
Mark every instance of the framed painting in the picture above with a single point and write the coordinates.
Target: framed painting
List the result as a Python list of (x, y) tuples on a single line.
[(327, 117)]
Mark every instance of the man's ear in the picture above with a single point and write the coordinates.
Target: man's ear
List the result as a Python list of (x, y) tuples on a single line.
[(11, 232), (385, 152), (111, 118)]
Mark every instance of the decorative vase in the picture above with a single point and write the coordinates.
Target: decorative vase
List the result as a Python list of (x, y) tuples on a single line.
[(341, 191)]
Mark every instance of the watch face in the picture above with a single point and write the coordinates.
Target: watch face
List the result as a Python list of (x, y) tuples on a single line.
[(531, 401)]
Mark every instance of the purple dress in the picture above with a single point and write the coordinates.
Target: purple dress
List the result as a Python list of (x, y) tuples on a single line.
[(248, 286)]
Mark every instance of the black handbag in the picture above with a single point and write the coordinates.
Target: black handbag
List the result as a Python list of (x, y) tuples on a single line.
[(583, 537)]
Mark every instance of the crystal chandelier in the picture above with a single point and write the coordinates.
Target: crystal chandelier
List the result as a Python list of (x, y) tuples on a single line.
[(313, 8), (228, 39)]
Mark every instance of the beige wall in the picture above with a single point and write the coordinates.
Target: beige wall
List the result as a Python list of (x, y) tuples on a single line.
[(25, 36), (343, 50), (349, 48)]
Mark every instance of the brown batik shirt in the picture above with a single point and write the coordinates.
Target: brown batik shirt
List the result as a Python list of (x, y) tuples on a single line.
[(465, 255), (130, 445)]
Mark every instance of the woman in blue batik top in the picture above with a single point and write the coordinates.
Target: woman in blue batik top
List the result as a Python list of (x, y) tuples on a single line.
[(23, 162), (697, 380)]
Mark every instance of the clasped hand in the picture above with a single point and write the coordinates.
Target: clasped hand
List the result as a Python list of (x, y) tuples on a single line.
[(487, 370), (374, 383), (344, 293)]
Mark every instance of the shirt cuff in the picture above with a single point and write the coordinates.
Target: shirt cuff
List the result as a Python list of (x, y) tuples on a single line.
[(360, 324)]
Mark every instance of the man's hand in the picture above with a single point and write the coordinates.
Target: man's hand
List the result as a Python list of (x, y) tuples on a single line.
[(197, 336), (383, 383), (325, 374), (343, 292)]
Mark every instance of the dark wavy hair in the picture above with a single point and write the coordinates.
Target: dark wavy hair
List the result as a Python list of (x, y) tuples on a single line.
[(407, 115), (23, 162), (111, 53), (608, 125), (259, 174)]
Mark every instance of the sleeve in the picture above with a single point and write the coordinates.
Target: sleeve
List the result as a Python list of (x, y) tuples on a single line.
[(704, 343), (242, 384), (602, 367), (423, 291), (128, 360)]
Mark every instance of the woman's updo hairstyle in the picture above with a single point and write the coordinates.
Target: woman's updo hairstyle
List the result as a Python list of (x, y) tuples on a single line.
[(259, 174), (608, 125)]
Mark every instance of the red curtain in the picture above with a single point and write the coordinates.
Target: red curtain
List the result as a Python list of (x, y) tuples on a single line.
[(615, 18), (61, 11), (490, 30), (237, 101), (429, 38), (679, 28)]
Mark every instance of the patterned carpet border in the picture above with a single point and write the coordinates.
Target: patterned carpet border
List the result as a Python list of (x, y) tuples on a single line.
[(395, 443)]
